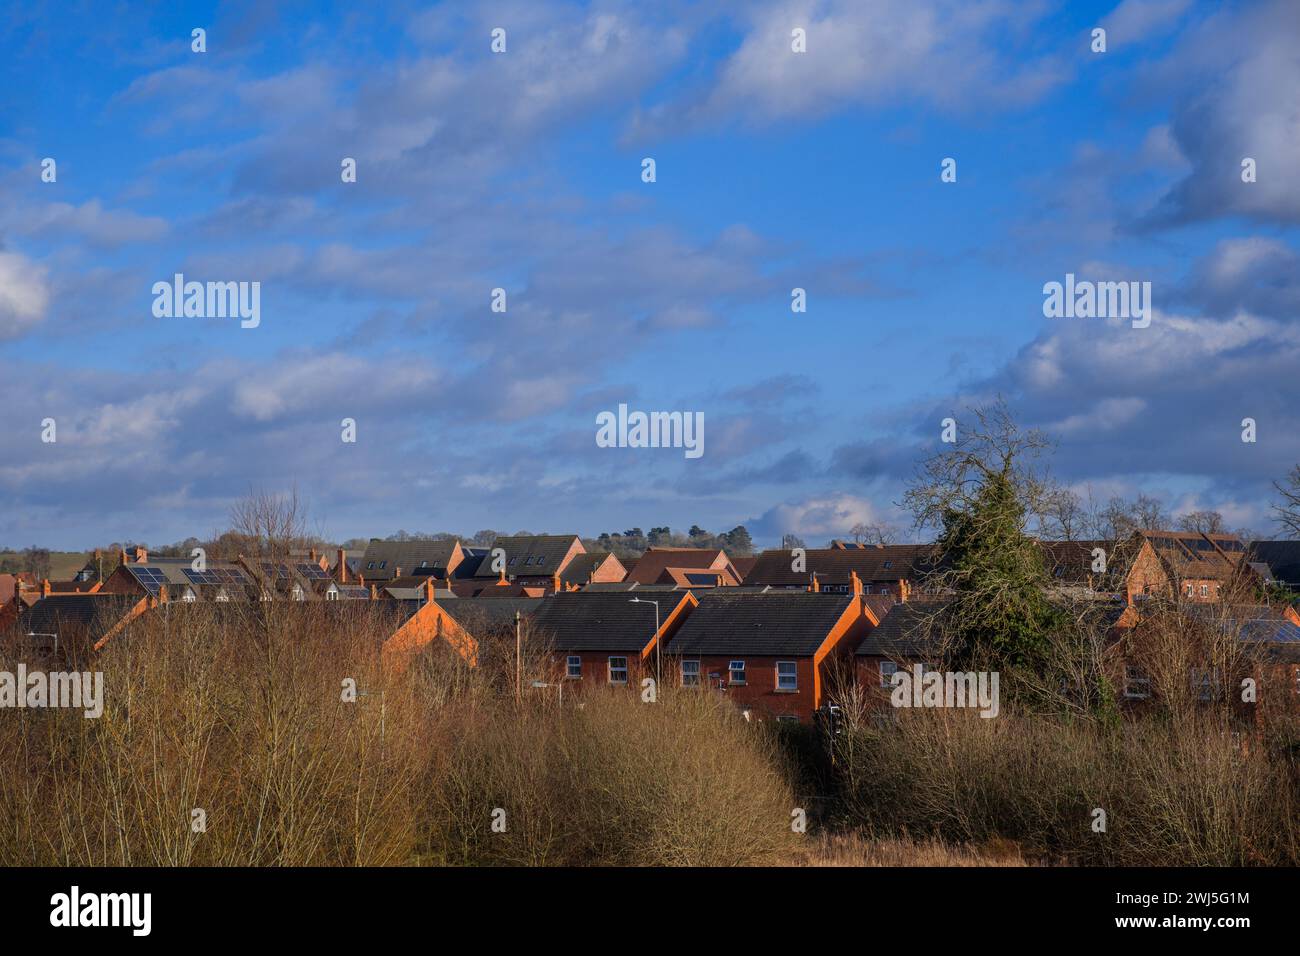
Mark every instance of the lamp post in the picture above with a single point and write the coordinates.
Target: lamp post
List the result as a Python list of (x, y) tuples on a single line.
[(659, 671)]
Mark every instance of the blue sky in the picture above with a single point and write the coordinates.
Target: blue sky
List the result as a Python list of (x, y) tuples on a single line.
[(521, 170)]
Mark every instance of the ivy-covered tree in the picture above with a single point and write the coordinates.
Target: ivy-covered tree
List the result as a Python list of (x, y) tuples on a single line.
[(980, 495)]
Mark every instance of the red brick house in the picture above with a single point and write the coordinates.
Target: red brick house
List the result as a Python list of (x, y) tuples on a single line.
[(383, 560), (530, 560), (594, 567), (82, 622), (770, 651), (609, 637), (894, 569), (709, 568)]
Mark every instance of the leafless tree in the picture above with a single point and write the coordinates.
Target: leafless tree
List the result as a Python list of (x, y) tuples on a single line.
[(1063, 516), (270, 524), (1287, 514), (874, 533), (1205, 522)]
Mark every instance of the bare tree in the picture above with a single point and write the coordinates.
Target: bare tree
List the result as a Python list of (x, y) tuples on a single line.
[(1121, 518), (269, 524), (1205, 522), (1062, 516), (874, 533), (1287, 514)]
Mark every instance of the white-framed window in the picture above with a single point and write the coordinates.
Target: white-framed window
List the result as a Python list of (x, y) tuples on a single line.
[(735, 672), (1137, 685), (1297, 680), (618, 670), (573, 667), (887, 670), (297, 593), (222, 595), (787, 719), (690, 673), (1205, 590), (332, 594), (787, 675), (1189, 590), (188, 596)]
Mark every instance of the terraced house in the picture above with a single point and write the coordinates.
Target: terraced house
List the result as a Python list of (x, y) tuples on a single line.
[(775, 653)]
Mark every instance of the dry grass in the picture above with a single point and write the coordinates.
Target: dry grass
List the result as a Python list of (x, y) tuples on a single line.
[(240, 713), (855, 850)]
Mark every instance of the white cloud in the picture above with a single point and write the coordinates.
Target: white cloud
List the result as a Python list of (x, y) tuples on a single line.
[(24, 294)]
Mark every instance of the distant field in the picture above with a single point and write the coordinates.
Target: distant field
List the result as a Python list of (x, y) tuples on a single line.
[(63, 564)]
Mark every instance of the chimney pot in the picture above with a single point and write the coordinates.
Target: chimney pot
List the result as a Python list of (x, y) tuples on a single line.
[(342, 569), (45, 587)]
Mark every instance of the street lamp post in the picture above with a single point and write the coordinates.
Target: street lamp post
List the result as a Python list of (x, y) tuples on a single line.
[(659, 660)]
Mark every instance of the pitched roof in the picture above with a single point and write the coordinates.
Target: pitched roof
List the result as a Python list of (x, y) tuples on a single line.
[(531, 555), (494, 613), (1070, 562), (580, 569), (744, 565), (1194, 555), (1282, 558), (49, 614), (602, 620), (771, 623), (652, 566), (904, 632), (890, 562), (383, 558)]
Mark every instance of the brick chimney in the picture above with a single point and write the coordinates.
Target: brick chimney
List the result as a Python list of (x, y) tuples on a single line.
[(311, 553), (556, 585), (903, 588), (816, 585), (141, 555), (162, 594), (123, 559), (374, 592), (397, 571), (428, 590), (856, 582), (45, 587), (343, 567)]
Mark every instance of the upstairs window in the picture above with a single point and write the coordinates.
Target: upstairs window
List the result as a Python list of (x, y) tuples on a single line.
[(573, 667), (736, 672), (690, 673), (618, 670), (787, 677), (887, 670)]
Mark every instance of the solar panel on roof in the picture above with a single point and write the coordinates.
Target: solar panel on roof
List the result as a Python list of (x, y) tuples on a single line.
[(312, 572), (150, 578)]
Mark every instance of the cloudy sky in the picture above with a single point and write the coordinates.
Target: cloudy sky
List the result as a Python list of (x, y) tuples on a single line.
[(523, 171)]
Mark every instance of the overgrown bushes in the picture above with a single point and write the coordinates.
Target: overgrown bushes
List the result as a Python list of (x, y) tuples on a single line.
[(225, 740), (1171, 795)]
